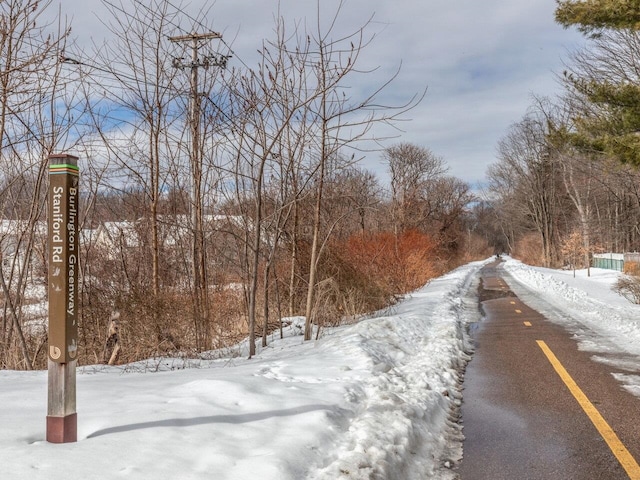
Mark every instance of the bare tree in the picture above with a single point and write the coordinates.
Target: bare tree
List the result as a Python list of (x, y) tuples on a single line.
[(35, 120), (354, 196), (446, 203), (341, 121), (143, 123), (139, 76), (412, 169), (525, 178), (273, 102)]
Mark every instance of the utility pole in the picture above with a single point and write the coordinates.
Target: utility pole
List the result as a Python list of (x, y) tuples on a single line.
[(198, 246)]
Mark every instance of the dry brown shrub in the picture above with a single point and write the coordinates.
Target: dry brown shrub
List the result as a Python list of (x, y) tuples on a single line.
[(629, 287), (529, 249), (155, 327), (476, 247), (632, 268), (227, 316)]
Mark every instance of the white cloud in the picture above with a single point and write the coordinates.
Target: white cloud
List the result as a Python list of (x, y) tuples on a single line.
[(481, 61)]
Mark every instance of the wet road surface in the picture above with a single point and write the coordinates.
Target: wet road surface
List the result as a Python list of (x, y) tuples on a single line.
[(521, 420)]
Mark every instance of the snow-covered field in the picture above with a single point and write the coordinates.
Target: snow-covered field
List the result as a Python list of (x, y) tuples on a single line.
[(374, 400)]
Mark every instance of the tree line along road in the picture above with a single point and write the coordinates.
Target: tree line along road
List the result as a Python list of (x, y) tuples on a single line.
[(535, 406)]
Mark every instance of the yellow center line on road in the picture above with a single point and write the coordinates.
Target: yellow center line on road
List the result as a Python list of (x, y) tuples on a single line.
[(512, 303), (617, 447), (527, 324), (518, 311)]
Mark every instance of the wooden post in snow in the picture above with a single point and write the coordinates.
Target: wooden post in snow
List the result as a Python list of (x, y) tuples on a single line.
[(63, 298)]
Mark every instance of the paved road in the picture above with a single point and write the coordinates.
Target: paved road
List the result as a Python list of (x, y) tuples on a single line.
[(521, 419)]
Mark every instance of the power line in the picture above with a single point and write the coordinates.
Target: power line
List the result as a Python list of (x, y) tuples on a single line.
[(186, 14), (198, 262), (204, 27)]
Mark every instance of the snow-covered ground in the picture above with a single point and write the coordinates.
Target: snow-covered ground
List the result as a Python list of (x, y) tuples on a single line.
[(374, 400), (603, 322)]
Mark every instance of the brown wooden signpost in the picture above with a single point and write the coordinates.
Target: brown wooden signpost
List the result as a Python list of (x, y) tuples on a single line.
[(63, 298)]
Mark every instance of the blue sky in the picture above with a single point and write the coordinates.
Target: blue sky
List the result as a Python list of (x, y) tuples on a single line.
[(481, 61)]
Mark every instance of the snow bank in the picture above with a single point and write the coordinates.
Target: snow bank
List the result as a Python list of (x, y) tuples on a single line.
[(403, 424), (374, 400), (581, 300)]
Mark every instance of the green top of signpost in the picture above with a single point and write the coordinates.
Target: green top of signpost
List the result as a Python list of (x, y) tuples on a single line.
[(63, 163), (58, 159)]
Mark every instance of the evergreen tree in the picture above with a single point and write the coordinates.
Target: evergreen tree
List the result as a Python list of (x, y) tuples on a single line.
[(612, 124), (593, 15)]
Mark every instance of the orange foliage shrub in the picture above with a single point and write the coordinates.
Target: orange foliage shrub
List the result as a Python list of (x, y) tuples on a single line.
[(632, 268), (395, 265), (418, 255), (372, 256)]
